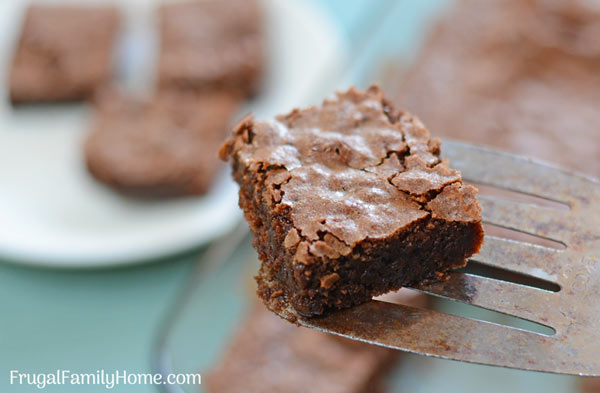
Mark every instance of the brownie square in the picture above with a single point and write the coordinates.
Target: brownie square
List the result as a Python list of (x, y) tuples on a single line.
[(64, 53), (347, 201), (269, 355), (166, 146), (211, 44), (529, 84)]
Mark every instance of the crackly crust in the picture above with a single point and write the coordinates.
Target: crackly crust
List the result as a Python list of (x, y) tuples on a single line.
[(339, 195)]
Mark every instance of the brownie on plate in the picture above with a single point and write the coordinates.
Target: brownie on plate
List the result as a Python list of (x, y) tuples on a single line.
[(166, 146), (211, 44), (347, 201), (64, 53)]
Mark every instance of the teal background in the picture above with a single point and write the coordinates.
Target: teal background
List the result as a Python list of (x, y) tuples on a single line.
[(83, 320)]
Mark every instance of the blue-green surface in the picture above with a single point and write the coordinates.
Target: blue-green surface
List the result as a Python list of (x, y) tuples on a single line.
[(83, 321)]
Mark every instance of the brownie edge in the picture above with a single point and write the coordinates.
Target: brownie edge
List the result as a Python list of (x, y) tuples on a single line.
[(268, 355), (347, 201)]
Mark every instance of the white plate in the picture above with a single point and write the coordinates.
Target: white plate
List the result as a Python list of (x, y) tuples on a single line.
[(53, 213)]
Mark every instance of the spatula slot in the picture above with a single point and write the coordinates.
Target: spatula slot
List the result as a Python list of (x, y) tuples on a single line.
[(511, 234), (516, 196), (452, 307), (483, 270)]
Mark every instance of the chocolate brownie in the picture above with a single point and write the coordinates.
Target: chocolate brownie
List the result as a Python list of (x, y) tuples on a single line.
[(347, 201), (163, 147), (211, 44), (268, 355), (520, 75), (64, 53)]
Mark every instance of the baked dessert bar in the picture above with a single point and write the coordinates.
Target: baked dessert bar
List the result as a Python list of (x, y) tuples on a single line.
[(347, 201), (211, 44), (518, 75), (163, 147), (64, 53), (269, 355)]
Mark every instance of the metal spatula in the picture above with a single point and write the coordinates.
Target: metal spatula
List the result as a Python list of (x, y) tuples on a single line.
[(573, 311)]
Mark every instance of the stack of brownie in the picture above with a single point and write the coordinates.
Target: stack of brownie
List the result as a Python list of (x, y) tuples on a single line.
[(210, 60), (521, 75)]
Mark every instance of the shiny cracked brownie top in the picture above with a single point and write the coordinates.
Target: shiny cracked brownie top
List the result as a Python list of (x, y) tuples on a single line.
[(350, 170)]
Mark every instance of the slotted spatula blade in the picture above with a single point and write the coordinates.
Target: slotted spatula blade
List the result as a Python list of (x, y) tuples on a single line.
[(573, 311)]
